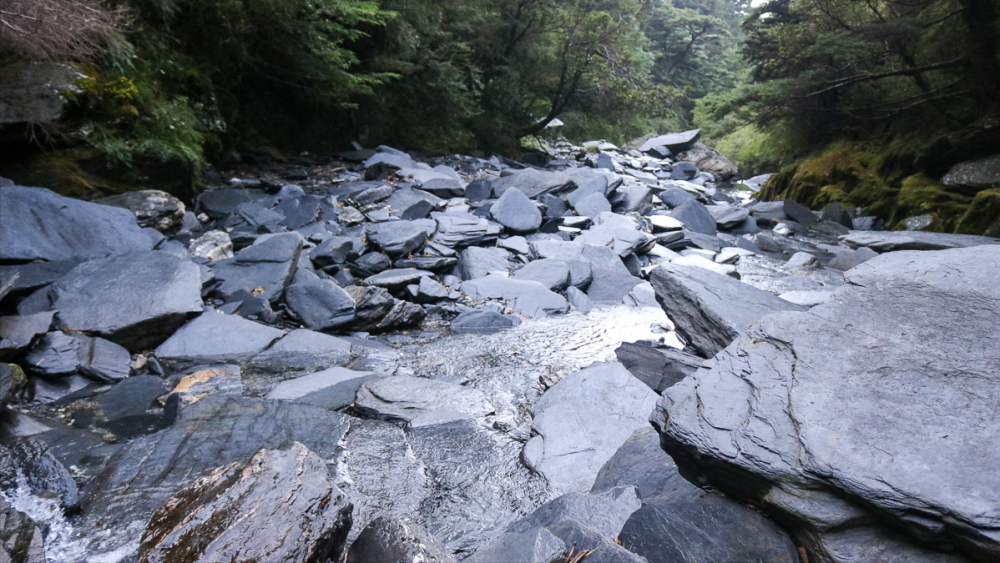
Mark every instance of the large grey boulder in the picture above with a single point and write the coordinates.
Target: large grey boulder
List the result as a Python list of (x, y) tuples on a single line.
[(533, 183), (516, 212), (711, 161), (657, 366), (214, 431), (475, 262), (152, 208), (695, 217), (280, 506), (711, 309), (979, 173), (858, 408), (400, 238), (263, 269), (565, 527), (610, 279), (679, 522), (890, 241), (401, 399), (460, 230), (216, 337), (581, 421), (151, 294), (333, 388), (525, 297), (320, 304), (550, 272), (676, 142), (39, 224)]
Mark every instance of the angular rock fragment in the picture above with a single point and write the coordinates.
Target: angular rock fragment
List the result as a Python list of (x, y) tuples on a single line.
[(216, 337), (516, 212), (385, 540), (401, 399)]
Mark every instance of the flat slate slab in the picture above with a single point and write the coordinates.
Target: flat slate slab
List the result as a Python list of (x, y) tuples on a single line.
[(39, 224), (402, 399), (710, 309), (216, 337), (889, 241), (865, 401), (582, 420)]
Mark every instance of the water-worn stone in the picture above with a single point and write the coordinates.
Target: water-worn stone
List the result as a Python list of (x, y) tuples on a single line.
[(401, 399), (28, 462), (864, 402), (480, 322), (550, 272), (304, 350), (582, 420), (528, 298), (678, 522), (657, 366), (400, 238), (890, 241), (711, 309), (38, 224), (154, 293), (280, 506), (533, 183), (976, 173), (17, 332), (333, 388), (610, 279), (385, 540), (320, 304), (695, 217), (152, 208), (263, 269), (565, 527), (460, 230), (475, 262), (516, 212), (212, 432), (216, 337)]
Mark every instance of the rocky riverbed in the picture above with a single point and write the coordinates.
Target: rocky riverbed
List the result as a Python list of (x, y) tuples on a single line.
[(616, 355)]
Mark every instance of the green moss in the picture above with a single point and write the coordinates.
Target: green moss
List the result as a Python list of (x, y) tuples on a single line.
[(920, 195), (65, 172), (983, 215)]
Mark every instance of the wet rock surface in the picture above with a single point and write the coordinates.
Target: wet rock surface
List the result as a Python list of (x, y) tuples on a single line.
[(279, 506), (442, 336), (874, 438)]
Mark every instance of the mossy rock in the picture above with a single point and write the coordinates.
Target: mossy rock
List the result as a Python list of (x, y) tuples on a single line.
[(920, 195), (83, 173), (983, 215)]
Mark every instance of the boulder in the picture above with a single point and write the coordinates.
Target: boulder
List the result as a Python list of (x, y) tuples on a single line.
[(528, 298), (980, 173), (562, 529), (890, 241), (38, 224), (711, 309), (482, 322), (676, 197), (376, 310), (18, 332), (280, 506), (304, 350), (386, 540), (848, 258), (263, 269), (154, 293), (610, 279), (550, 272), (216, 337), (680, 522), (152, 208), (29, 465), (728, 216), (400, 238), (428, 291), (683, 171), (657, 366), (405, 198), (632, 198), (676, 142), (21, 539), (217, 204), (333, 388), (461, 230), (516, 212), (711, 161), (695, 217), (475, 262), (320, 304), (533, 183), (592, 205), (582, 420), (858, 408), (217, 430), (400, 399)]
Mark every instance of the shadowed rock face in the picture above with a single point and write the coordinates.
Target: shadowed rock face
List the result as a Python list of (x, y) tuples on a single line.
[(280, 507), (880, 396)]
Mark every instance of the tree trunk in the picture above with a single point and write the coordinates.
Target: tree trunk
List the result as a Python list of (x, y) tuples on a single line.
[(983, 68)]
